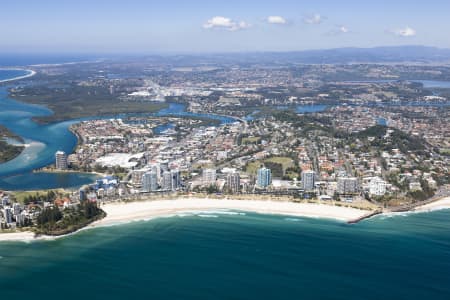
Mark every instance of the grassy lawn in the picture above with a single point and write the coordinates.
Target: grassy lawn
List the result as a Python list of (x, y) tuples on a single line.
[(20, 196), (285, 162), (253, 166), (445, 151), (251, 140)]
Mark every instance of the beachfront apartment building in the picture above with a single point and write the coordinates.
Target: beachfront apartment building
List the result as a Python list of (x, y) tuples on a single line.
[(308, 180), (233, 182), (209, 176), (171, 180), (150, 181), (7, 215), (377, 186), (175, 179), (264, 177), (347, 185)]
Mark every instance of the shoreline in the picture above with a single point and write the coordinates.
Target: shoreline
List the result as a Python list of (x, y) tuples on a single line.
[(119, 213), (440, 204), (30, 74), (126, 212), (68, 171)]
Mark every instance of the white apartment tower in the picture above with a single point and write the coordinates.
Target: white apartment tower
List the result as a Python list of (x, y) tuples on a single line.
[(377, 186), (308, 180), (234, 182), (209, 176), (61, 160)]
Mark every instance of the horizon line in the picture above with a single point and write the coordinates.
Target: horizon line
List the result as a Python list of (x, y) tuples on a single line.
[(176, 52)]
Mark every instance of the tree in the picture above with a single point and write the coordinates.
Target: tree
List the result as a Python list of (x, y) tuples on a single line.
[(49, 215), (211, 189)]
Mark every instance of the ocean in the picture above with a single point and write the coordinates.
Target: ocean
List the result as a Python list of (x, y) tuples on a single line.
[(213, 255), (8, 74), (26, 59)]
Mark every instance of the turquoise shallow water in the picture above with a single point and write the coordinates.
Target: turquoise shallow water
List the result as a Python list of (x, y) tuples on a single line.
[(42, 143), (40, 180), (238, 256)]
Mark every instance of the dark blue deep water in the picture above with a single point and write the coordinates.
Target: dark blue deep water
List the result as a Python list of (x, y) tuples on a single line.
[(241, 256)]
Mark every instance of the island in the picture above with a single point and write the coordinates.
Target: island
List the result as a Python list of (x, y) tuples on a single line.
[(8, 151)]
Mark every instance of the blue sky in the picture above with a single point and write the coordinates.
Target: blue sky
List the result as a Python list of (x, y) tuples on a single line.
[(138, 26)]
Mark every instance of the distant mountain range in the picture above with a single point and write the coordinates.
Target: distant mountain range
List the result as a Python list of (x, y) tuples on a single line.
[(399, 54), (378, 54)]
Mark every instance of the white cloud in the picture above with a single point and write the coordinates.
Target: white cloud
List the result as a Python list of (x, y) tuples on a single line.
[(225, 23), (343, 29), (313, 19), (276, 20), (405, 32), (339, 29)]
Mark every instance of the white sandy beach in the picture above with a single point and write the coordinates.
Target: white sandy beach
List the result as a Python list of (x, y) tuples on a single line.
[(437, 205), (126, 212), (120, 212), (17, 236), (30, 74)]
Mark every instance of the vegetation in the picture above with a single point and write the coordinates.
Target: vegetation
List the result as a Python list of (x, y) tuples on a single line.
[(276, 168), (251, 140), (49, 216), (444, 151), (105, 169), (211, 189), (5, 132), (52, 221), (52, 218), (280, 166), (423, 194), (397, 139), (7, 151), (305, 122), (37, 196), (75, 101)]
